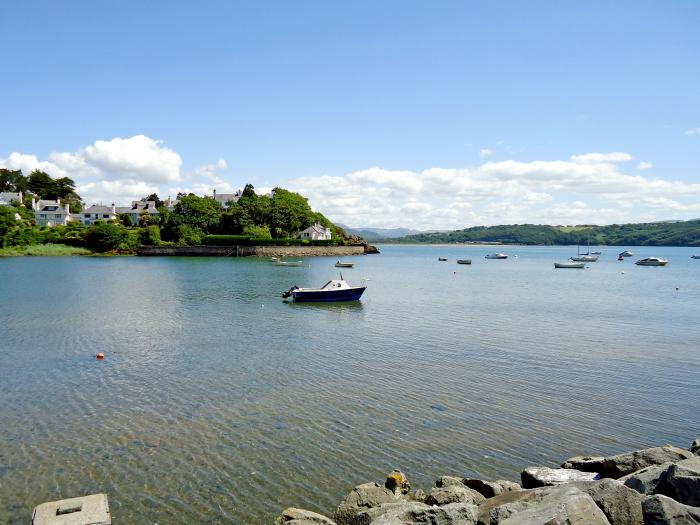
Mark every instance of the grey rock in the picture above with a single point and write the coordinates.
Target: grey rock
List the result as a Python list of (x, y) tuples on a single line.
[(585, 463), (682, 482), (294, 516), (662, 510), (489, 489), (453, 494), (533, 477), (556, 505), (365, 496), (417, 495), (412, 513), (565, 505), (647, 480), (695, 447), (446, 481), (620, 504), (629, 462)]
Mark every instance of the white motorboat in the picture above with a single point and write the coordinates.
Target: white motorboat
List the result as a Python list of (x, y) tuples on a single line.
[(652, 261), (626, 253), (570, 265), (496, 255)]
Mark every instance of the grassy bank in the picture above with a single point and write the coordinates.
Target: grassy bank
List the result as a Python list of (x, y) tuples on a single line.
[(39, 250)]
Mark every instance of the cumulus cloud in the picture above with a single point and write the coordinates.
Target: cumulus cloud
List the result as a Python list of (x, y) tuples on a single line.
[(645, 165), (485, 152), (595, 158), (122, 169)]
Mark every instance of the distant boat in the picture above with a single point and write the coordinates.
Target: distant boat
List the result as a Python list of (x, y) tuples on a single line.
[(497, 255), (584, 257), (442, 259), (570, 265), (464, 261), (290, 263), (596, 253), (695, 256), (340, 264), (626, 253), (335, 290), (652, 261)]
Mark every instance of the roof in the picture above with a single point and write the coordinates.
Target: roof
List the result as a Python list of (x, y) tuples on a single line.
[(8, 197), (317, 228), (96, 208)]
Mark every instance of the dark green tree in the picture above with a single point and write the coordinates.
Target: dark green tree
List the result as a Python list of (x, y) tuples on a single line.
[(198, 212), (103, 237), (12, 181)]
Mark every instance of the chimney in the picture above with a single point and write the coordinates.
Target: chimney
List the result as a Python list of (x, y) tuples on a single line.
[(114, 209), (214, 193), (67, 207), (35, 204)]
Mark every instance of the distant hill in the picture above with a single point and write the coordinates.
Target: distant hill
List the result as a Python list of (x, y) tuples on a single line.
[(667, 233), (372, 234)]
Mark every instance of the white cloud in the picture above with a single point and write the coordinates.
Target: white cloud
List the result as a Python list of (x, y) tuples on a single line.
[(123, 169), (485, 152), (595, 158), (695, 131), (644, 165)]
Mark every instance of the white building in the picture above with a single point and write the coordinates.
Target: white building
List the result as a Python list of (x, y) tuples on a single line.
[(97, 212), (138, 208), (52, 213), (316, 232), (7, 198), (224, 198)]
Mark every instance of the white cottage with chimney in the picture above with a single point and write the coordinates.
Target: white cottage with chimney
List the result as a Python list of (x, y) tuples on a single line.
[(52, 212), (316, 232)]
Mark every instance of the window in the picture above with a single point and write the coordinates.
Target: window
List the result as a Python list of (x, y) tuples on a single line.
[(105, 216), (87, 215)]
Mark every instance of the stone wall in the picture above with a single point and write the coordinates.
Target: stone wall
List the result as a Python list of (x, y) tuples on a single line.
[(248, 251)]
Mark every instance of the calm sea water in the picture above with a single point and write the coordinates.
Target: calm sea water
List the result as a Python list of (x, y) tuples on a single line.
[(219, 403)]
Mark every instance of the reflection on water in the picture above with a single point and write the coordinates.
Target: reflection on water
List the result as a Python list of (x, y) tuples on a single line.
[(217, 402)]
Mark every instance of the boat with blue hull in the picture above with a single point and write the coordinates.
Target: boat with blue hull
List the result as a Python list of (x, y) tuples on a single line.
[(335, 290)]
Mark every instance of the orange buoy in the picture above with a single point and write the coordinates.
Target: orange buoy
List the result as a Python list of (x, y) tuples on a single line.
[(100, 356)]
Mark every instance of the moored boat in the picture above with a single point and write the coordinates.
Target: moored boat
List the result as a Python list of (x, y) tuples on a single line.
[(652, 261), (342, 264), (570, 265), (442, 259), (497, 255), (290, 263), (626, 253), (335, 290), (464, 261), (585, 258), (695, 256)]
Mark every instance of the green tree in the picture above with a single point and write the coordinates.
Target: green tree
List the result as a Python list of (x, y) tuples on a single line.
[(125, 219), (198, 212), (42, 184), (150, 235), (234, 220), (104, 237), (258, 232), (154, 197), (12, 181), (289, 213)]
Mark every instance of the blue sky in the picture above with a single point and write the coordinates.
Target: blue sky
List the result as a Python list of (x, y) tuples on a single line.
[(384, 113)]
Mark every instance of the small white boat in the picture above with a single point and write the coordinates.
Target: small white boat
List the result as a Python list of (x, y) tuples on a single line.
[(341, 264), (464, 261), (570, 265), (626, 253), (652, 261), (497, 255), (596, 253), (290, 263), (585, 258)]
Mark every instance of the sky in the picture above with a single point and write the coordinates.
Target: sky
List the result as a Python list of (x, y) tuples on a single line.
[(384, 113)]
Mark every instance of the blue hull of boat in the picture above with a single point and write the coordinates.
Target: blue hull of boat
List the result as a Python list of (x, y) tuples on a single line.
[(328, 296)]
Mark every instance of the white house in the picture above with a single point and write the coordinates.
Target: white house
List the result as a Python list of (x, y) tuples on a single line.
[(6, 198), (316, 232), (52, 213), (138, 208), (97, 212), (223, 198)]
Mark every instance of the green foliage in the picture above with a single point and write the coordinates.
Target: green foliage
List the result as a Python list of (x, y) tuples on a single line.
[(259, 232), (125, 219), (104, 237), (12, 181), (199, 213), (44, 250), (154, 197), (150, 235), (244, 240), (188, 235)]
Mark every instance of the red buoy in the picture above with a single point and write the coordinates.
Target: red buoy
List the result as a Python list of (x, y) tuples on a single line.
[(100, 356)]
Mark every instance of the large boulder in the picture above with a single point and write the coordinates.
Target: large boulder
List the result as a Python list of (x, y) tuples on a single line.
[(294, 516), (682, 482), (620, 504), (365, 496), (446, 481), (562, 505), (413, 513), (453, 494), (534, 477), (647, 480), (629, 462), (662, 510), (695, 447), (489, 489), (585, 463)]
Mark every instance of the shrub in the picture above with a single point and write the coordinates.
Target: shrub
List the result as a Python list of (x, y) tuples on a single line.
[(104, 237), (150, 235)]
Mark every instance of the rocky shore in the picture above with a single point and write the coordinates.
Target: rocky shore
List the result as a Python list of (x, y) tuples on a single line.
[(654, 486)]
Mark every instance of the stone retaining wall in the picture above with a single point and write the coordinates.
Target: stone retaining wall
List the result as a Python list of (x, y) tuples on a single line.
[(254, 251)]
